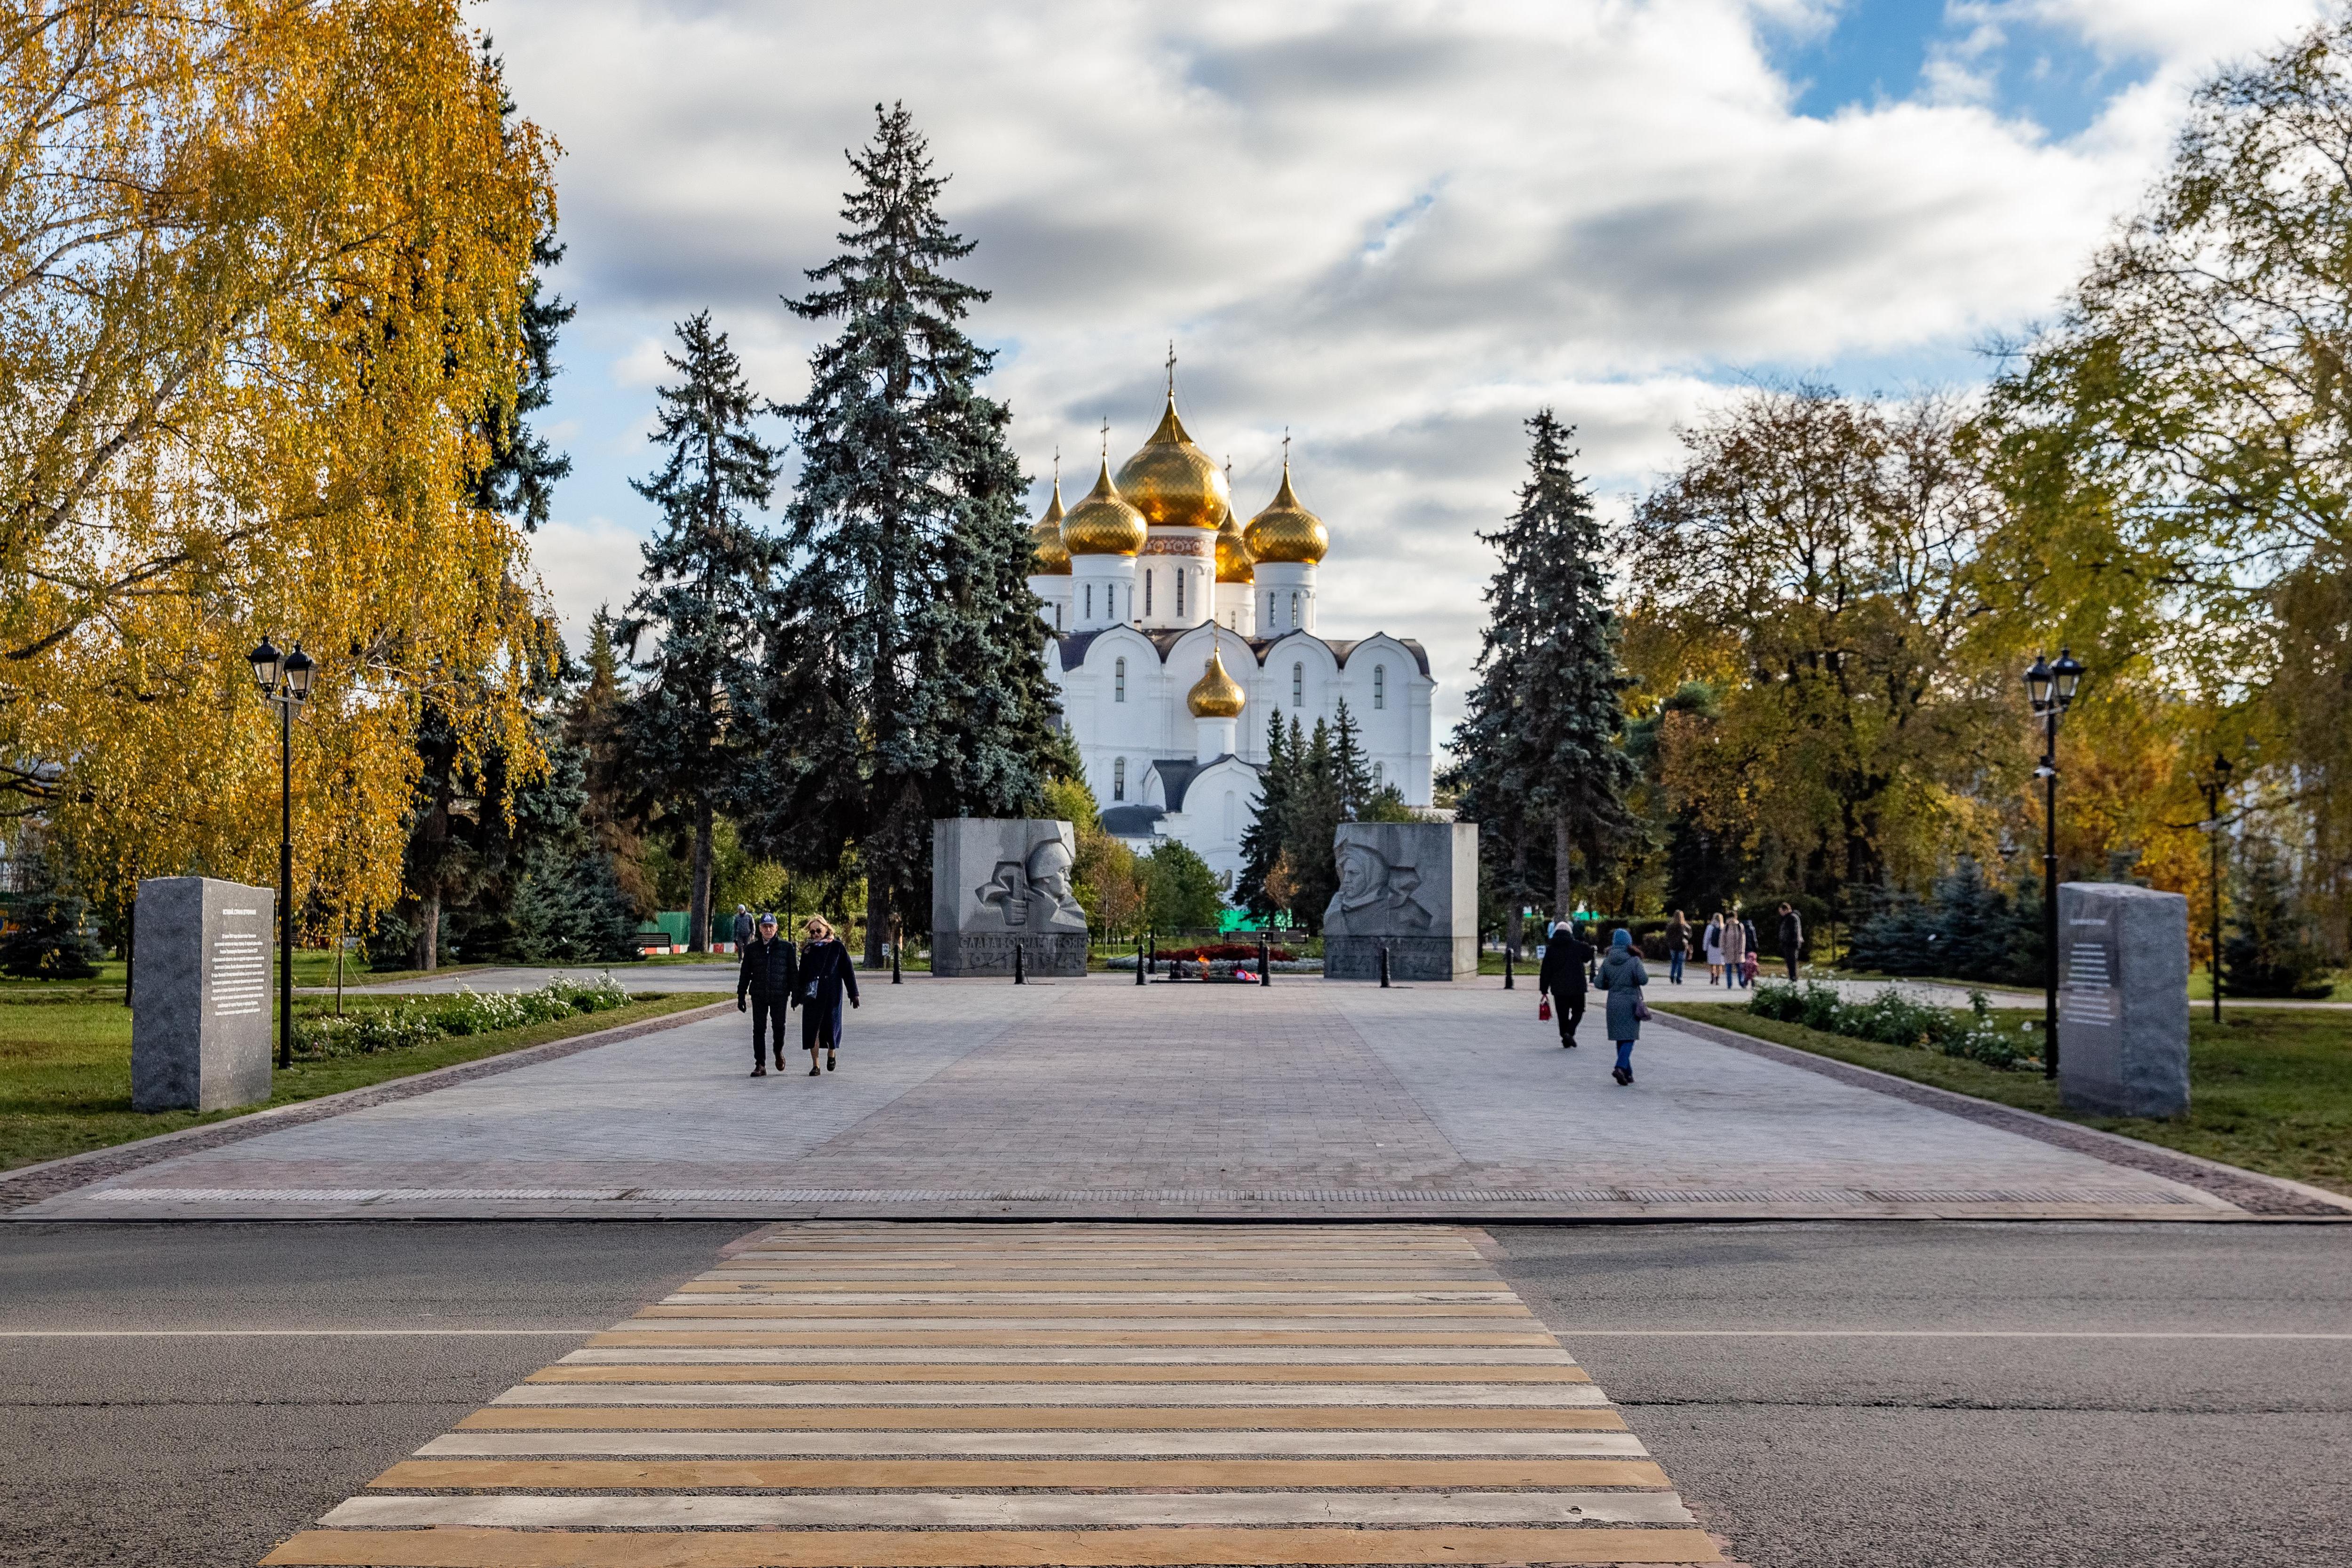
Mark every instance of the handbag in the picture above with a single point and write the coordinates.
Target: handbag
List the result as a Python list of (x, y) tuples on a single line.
[(1543, 1009), (1641, 1010)]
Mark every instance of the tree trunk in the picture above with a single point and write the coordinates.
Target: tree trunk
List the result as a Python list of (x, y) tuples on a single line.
[(1560, 905), (428, 931), (878, 921), (129, 948), (697, 914)]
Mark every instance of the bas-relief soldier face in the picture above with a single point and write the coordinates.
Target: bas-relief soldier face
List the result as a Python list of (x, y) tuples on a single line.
[(1361, 872)]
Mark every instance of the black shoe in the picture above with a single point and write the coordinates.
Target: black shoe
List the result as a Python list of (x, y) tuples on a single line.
[(759, 1071), (1620, 1075), (814, 1071), (1567, 1045), (828, 1061)]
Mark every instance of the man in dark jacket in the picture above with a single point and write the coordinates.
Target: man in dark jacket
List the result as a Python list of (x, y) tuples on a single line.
[(1566, 958), (1792, 938), (766, 981)]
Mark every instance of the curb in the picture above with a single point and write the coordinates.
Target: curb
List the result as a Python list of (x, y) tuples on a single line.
[(34, 1183), (2249, 1191)]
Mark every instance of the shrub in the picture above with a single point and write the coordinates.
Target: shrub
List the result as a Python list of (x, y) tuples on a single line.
[(46, 940), (466, 1013), (1892, 1018)]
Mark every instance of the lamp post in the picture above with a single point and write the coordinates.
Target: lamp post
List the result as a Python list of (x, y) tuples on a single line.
[(2051, 688), (2215, 790), (285, 680)]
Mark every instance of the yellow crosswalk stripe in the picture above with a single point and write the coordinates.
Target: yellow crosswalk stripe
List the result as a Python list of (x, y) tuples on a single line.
[(870, 1395)]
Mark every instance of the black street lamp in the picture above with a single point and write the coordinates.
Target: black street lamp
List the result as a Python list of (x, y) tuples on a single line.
[(2216, 790), (284, 679), (2051, 688)]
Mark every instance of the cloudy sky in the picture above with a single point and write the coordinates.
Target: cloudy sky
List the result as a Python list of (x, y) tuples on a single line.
[(1393, 229)]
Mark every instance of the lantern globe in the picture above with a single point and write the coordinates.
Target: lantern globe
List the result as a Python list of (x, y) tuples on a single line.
[(2037, 682), (264, 661), (299, 670)]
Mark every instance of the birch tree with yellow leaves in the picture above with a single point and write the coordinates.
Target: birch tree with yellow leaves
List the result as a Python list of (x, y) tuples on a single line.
[(262, 269)]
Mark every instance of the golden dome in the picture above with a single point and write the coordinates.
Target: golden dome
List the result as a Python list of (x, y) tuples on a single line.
[(1103, 524), (1172, 482), (1234, 557), (1286, 531), (1051, 557), (1217, 696)]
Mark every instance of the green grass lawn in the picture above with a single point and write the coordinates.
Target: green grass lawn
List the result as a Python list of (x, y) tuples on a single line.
[(2269, 1090), (64, 1066)]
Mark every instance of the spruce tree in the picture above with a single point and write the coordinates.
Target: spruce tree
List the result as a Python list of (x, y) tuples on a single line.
[(910, 646), (1351, 775), (1263, 841), (705, 601), (1540, 737), (1315, 810)]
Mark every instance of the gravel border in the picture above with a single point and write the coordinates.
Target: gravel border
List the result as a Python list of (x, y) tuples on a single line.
[(33, 1183), (2249, 1191)]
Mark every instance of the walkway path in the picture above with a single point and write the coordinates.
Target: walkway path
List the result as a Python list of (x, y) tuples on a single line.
[(945, 1396), (1100, 1099)]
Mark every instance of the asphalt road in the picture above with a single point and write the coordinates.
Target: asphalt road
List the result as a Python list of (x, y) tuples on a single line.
[(1811, 1436), (1883, 1405)]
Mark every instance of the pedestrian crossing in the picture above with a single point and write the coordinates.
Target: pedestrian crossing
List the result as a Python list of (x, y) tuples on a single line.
[(871, 1396)]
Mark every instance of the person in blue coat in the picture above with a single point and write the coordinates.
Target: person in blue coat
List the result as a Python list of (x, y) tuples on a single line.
[(826, 975), (1622, 977)]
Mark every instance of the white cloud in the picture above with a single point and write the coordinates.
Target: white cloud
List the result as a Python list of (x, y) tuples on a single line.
[(1395, 229)]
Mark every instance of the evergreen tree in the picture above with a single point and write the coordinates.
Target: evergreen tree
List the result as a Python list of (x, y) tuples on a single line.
[(1315, 811), (1263, 840), (1351, 775), (2267, 952), (910, 651), (47, 940), (594, 722), (1540, 740), (705, 599)]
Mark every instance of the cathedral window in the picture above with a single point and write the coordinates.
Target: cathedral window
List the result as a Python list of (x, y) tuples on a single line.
[(1118, 684), (1119, 778), (1376, 775), (1180, 593), (1298, 686), (1294, 611), (1090, 601), (1380, 686), (1270, 621), (1147, 591)]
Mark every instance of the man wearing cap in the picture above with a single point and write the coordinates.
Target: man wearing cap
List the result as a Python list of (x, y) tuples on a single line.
[(763, 983)]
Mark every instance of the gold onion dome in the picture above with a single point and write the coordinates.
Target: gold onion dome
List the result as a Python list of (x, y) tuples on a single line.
[(1172, 482), (1234, 557), (1053, 557), (1286, 531), (1103, 524), (1217, 695)]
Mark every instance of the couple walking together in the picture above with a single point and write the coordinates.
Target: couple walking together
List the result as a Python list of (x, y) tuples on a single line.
[(775, 978), (1619, 976)]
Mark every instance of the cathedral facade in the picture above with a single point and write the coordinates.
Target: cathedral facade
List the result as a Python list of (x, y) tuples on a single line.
[(1181, 635)]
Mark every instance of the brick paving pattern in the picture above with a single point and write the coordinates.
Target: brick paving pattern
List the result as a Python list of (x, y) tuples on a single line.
[(840, 1396)]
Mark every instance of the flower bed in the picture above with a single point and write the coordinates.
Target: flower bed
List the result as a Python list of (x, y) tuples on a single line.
[(1892, 1018), (411, 1024)]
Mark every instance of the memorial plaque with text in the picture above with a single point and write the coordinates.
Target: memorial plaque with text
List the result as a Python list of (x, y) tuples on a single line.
[(2123, 999), (201, 1018)]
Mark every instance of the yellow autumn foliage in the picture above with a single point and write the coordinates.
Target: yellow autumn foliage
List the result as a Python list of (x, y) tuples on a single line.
[(262, 270)]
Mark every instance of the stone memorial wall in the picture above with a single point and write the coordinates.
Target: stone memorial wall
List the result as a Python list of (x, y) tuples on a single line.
[(1410, 888), (2123, 999), (200, 1020), (999, 884)]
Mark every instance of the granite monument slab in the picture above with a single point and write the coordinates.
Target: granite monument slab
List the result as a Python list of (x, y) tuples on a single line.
[(999, 884), (2123, 999), (200, 1013), (1410, 888)]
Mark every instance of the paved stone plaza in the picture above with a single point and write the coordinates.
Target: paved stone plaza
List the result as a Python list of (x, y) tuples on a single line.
[(1099, 1098)]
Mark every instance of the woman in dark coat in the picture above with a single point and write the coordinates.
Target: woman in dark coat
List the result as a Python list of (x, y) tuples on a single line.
[(826, 974), (1622, 977)]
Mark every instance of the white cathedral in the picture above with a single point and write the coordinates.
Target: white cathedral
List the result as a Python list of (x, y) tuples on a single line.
[(1181, 636)]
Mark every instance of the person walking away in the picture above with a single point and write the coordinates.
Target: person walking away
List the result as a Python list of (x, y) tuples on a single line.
[(1622, 977), (1713, 938), (763, 987), (1678, 941), (1748, 947), (743, 924), (1792, 938), (1735, 947), (1566, 956), (826, 975)]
